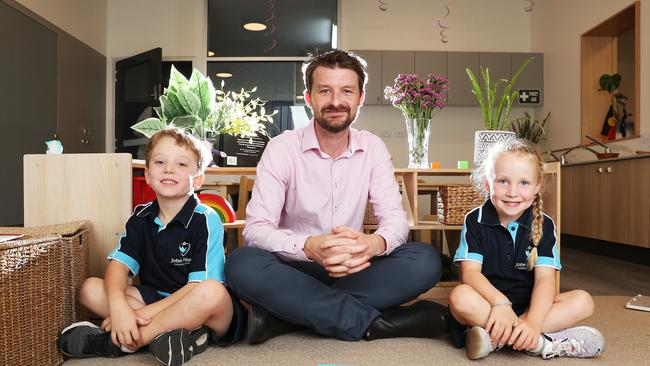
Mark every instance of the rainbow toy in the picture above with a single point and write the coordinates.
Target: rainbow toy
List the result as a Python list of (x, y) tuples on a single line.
[(219, 204)]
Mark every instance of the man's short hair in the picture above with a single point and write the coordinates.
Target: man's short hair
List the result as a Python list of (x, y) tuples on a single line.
[(182, 139), (335, 59)]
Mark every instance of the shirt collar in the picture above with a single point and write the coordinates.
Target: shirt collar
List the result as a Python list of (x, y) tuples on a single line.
[(184, 216), (310, 141), (488, 215)]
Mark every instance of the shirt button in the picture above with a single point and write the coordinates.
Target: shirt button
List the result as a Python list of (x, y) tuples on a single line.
[(508, 257), (512, 228), (336, 208)]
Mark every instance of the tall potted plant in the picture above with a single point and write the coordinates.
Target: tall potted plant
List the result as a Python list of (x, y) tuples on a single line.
[(493, 99), (197, 107)]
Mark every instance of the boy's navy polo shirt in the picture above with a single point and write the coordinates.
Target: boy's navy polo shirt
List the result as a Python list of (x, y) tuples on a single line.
[(503, 252), (188, 249)]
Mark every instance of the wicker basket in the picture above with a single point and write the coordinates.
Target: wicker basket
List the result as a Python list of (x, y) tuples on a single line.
[(32, 301), (75, 238), (454, 201), (369, 217)]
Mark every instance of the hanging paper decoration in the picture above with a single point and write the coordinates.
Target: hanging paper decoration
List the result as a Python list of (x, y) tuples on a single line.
[(383, 6), (530, 6), (270, 27), (443, 28)]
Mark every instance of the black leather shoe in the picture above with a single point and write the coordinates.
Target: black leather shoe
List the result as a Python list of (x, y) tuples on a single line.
[(263, 325), (424, 319)]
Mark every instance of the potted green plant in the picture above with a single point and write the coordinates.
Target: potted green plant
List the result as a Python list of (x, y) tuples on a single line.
[(493, 99), (528, 128), (617, 101), (196, 106)]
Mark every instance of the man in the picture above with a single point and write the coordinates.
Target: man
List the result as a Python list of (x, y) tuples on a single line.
[(307, 263)]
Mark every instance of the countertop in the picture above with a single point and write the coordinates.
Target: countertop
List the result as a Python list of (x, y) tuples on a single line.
[(628, 157)]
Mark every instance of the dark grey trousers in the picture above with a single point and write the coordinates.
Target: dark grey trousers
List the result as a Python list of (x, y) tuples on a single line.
[(302, 293)]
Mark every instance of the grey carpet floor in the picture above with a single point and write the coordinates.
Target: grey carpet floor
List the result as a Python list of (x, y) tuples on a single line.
[(627, 333)]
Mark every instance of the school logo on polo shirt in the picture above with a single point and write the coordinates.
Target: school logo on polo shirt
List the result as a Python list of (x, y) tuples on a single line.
[(183, 249)]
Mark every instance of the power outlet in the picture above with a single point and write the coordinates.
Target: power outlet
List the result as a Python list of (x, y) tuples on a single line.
[(399, 134)]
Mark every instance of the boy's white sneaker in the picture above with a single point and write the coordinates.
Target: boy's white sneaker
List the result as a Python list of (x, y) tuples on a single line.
[(573, 342), (478, 343)]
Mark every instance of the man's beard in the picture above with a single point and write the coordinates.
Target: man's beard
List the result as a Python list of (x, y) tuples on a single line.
[(326, 125)]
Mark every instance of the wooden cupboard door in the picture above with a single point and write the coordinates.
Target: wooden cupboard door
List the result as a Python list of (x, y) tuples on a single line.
[(578, 207), (603, 197), (608, 201), (631, 203)]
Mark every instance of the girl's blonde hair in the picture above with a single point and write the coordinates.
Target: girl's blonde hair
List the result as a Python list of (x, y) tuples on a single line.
[(485, 173)]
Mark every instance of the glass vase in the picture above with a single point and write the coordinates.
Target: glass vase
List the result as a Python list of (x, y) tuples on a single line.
[(418, 130)]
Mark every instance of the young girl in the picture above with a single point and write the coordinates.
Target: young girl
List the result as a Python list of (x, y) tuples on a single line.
[(508, 256)]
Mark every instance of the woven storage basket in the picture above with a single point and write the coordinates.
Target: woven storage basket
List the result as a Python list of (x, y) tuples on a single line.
[(75, 238), (370, 218), (32, 300), (455, 201)]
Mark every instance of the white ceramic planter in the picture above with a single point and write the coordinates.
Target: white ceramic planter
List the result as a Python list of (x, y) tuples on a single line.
[(483, 140)]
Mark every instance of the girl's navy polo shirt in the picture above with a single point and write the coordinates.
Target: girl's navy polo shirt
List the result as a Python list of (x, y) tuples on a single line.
[(188, 249), (503, 252)]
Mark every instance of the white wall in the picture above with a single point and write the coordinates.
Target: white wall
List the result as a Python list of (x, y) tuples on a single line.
[(83, 19), (556, 29), (475, 25)]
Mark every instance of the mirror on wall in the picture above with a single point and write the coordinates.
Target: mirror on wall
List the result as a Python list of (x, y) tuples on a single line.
[(611, 47)]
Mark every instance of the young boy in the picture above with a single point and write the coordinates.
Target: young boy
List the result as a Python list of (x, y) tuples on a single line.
[(175, 245)]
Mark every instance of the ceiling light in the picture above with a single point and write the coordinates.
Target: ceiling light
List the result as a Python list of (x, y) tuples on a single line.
[(224, 74), (300, 97), (210, 53), (255, 27), (334, 37)]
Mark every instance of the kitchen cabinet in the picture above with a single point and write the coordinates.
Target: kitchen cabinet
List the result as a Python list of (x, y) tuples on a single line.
[(497, 62), (384, 66), (374, 90), (460, 88), (532, 78), (82, 96), (608, 200), (431, 62), (392, 64)]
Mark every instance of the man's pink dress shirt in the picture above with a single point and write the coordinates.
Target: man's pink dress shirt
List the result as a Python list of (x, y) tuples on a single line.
[(300, 191)]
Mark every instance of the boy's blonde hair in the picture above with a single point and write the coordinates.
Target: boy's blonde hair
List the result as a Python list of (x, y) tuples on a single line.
[(183, 139), (485, 172)]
